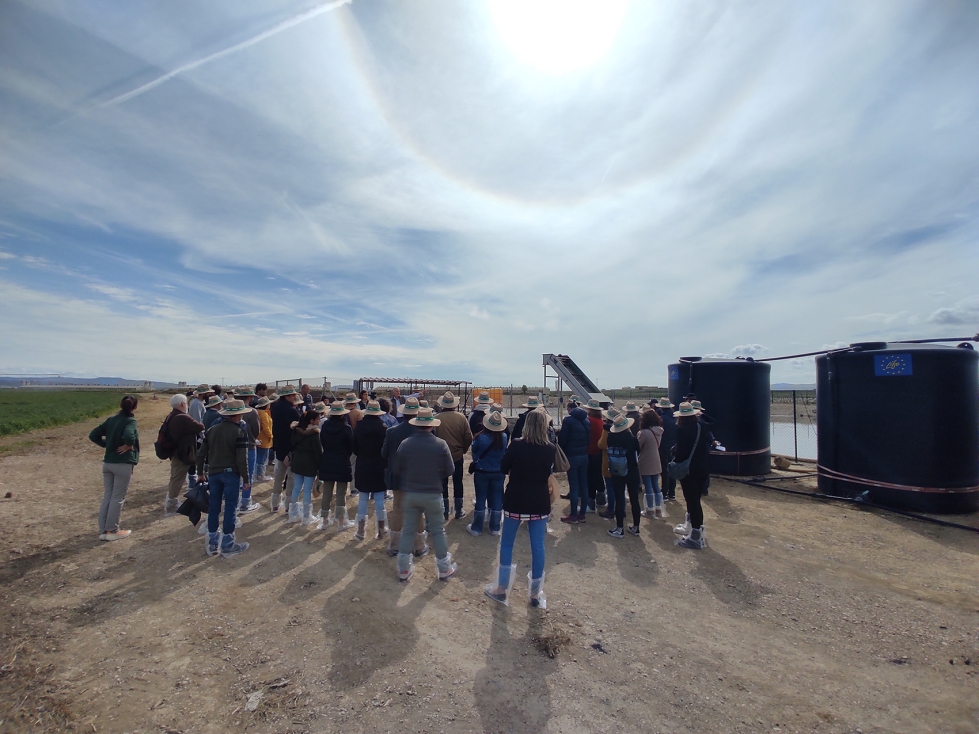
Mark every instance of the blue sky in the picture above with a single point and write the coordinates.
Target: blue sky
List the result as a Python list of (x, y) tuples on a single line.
[(255, 189)]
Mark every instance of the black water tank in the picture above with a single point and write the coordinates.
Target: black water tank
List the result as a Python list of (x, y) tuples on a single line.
[(901, 423), (736, 393)]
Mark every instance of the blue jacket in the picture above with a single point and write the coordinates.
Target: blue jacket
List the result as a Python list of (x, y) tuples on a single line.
[(575, 433), (488, 459)]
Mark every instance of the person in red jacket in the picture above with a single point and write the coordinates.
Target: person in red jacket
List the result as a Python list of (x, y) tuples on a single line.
[(596, 482)]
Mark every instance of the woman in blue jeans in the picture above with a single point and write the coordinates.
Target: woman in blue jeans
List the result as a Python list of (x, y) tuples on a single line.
[(488, 450), (528, 462)]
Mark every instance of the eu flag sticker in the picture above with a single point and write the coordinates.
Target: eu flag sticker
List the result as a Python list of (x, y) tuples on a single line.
[(674, 373), (890, 365)]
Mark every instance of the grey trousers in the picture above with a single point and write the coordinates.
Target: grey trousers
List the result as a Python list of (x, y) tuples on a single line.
[(428, 504), (283, 479), (178, 477), (115, 479)]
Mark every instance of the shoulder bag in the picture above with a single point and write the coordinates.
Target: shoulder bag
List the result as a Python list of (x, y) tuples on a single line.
[(561, 463), (682, 469)]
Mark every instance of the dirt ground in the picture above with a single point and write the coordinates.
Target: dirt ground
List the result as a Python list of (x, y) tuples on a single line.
[(801, 616)]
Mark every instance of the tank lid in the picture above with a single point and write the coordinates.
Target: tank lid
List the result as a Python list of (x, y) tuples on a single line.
[(867, 346), (965, 345), (690, 359)]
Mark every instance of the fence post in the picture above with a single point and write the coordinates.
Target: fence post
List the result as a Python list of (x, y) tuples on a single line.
[(795, 427)]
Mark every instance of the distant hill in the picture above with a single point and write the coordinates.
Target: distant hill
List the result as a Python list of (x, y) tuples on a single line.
[(119, 382), (790, 386)]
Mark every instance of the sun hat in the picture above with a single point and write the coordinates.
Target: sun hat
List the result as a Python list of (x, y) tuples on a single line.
[(422, 403), (696, 405), (494, 421), (425, 418), (273, 397), (631, 407), (262, 402), (497, 407), (203, 390), (351, 398), (287, 390), (621, 423), (612, 413), (213, 400), (593, 404), (484, 399), (685, 410), (532, 403), (448, 401), (338, 408), (244, 392), (411, 406), (320, 407), (664, 403), (373, 408), (234, 407)]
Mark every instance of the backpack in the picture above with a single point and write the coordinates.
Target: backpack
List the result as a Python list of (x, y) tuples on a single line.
[(164, 445), (618, 461)]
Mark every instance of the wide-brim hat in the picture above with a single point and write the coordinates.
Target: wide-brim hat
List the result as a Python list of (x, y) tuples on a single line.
[(423, 404), (612, 413), (234, 407), (244, 392), (287, 390), (532, 403), (696, 405), (350, 399), (686, 409), (621, 423), (630, 407), (373, 408), (410, 407), (213, 400), (262, 402), (494, 421), (425, 418), (320, 407), (593, 404), (337, 408), (448, 400), (664, 403), (484, 399)]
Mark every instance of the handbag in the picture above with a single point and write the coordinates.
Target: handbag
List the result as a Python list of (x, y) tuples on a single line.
[(561, 463), (474, 462), (682, 469), (199, 496)]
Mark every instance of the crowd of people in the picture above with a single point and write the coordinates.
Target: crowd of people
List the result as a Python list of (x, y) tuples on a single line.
[(402, 452)]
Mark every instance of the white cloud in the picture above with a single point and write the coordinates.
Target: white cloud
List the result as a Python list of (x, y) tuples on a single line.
[(965, 312)]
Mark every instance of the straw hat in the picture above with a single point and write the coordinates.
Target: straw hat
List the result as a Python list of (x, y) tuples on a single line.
[(612, 413), (621, 423), (696, 405), (337, 408), (423, 403), (411, 406), (320, 407), (203, 390), (664, 403), (273, 397), (593, 404), (631, 407), (244, 392), (497, 407), (234, 407), (448, 401), (373, 408), (686, 409), (494, 421), (262, 402), (287, 390), (531, 403), (484, 399), (213, 400), (425, 418), (351, 398)]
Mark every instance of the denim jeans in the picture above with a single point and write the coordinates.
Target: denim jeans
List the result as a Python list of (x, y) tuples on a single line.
[(610, 495), (653, 495), (537, 530), (115, 480), (303, 485), (489, 491), (428, 504), (261, 458), (251, 465), (578, 482), (223, 486), (362, 502)]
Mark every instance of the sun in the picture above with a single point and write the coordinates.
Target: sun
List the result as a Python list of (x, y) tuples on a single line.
[(558, 36)]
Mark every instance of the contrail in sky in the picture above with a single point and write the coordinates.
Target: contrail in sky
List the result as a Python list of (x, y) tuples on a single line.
[(284, 25)]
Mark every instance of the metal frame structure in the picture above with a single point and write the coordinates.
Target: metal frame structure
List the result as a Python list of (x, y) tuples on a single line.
[(409, 385)]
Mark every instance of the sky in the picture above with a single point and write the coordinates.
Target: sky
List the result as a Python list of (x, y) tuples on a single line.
[(254, 189)]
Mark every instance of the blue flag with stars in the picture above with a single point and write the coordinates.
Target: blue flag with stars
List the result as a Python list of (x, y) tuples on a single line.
[(891, 365)]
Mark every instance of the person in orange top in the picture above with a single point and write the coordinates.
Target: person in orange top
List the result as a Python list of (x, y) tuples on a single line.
[(264, 438)]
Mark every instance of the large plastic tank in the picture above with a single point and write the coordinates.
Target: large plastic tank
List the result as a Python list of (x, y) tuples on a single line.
[(901, 423), (736, 393)]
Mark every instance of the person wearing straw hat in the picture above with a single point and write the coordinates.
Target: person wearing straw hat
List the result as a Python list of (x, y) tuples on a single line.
[(284, 413), (421, 462), (392, 440), (488, 450), (633, 410), (352, 403), (211, 412), (197, 406), (335, 471), (531, 404), (596, 483), (264, 439), (306, 454), (251, 422), (370, 469), (623, 450), (482, 405), (708, 423), (224, 451), (528, 463), (692, 444), (664, 408), (455, 431)]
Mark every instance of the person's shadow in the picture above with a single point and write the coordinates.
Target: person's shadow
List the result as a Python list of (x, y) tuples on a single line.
[(511, 690)]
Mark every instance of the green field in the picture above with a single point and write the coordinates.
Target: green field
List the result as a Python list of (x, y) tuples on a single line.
[(25, 410)]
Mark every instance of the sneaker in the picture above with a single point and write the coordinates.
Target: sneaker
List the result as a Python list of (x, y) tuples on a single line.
[(406, 575), (212, 546), (116, 535), (570, 519), (581, 519), (448, 573), (250, 507), (474, 533), (616, 533), (496, 533), (606, 515), (234, 549), (566, 496), (354, 492), (423, 552), (496, 596), (460, 514), (633, 530)]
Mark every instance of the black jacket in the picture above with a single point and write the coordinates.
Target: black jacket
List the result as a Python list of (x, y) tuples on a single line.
[(284, 414), (306, 451), (337, 441), (669, 429), (528, 466), (685, 436), (367, 442), (627, 441)]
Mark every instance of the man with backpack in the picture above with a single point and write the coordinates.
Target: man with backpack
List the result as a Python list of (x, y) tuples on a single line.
[(177, 441)]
